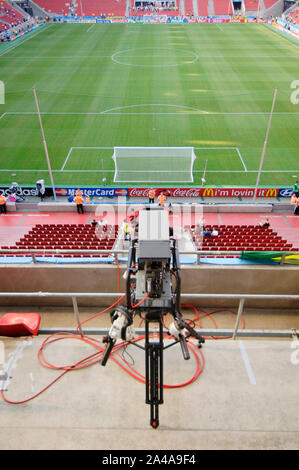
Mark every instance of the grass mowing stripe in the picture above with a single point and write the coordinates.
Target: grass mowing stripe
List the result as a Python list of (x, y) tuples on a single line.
[(98, 103)]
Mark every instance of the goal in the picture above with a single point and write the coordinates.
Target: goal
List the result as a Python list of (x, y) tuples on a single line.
[(153, 164)]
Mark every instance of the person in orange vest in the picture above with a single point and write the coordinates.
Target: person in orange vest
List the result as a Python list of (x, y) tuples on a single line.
[(79, 192), (161, 199), (79, 202), (2, 204), (151, 196)]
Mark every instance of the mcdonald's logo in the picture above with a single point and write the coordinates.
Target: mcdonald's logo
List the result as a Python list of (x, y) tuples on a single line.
[(272, 192), (208, 192)]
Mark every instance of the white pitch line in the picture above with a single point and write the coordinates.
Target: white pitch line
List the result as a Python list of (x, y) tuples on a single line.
[(247, 363), (248, 171), (194, 171), (225, 148), (280, 57), (81, 148), (183, 113), (2, 115), (279, 35), (14, 46), (66, 159), (241, 158), (215, 148), (219, 27), (92, 148), (90, 27)]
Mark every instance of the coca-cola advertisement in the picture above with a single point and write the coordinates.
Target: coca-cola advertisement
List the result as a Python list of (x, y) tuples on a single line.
[(208, 192)]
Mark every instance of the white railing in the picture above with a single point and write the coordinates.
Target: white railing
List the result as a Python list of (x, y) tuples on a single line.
[(115, 253), (203, 331)]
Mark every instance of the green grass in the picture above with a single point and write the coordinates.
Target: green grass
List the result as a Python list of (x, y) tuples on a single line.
[(149, 85)]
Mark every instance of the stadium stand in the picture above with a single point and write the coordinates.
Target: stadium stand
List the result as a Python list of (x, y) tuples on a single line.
[(9, 11), (96, 8), (155, 12), (9, 16), (202, 7), (239, 238), (293, 17), (87, 237), (222, 7), (54, 6), (189, 7), (67, 237), (251, 5), (269, 3)]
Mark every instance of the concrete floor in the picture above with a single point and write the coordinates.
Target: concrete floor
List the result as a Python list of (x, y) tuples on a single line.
[(246, 397)]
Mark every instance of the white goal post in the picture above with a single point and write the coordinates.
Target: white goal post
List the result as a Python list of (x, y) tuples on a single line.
[(153, 164)]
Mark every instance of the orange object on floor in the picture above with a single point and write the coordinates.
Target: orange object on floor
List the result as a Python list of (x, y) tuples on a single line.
[(19, 324)]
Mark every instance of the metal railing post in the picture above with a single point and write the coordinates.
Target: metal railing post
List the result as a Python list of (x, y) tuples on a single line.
[(76, 311), (240, 313)]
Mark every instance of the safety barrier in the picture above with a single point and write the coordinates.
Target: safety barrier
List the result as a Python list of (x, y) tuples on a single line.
[(121, 255), (204, 332)]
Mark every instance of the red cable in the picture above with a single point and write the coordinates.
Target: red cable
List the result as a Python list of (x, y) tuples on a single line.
[(140, 302), (96, 357)]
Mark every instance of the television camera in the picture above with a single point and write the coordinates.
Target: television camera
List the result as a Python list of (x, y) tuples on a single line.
[(153, 288)]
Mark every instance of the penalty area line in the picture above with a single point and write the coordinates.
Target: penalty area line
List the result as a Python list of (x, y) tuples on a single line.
[(66, 159), (219, 27), (81, 148), (90, 27), (241, 158)]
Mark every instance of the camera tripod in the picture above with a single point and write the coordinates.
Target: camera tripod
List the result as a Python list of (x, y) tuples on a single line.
[(153, 310)]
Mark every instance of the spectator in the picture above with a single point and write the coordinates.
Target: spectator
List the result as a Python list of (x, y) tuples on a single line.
[(206, 233), (125, 229), (151, 196), (40, 186), (296, 189), (214, 232), (201, 223), (2, 204), (11, 198), (104, 224), (79, 202), (161, 199), (265, 224)]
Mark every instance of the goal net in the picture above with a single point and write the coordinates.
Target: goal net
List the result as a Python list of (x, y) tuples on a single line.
[(153, 164)]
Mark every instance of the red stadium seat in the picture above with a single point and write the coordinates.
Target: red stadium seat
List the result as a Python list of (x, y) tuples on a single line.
[(19, 324)]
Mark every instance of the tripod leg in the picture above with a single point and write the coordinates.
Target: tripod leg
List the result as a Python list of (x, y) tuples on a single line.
[(111, 343), (154, 375)]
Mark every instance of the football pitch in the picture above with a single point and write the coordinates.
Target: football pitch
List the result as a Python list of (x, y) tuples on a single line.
[(101, 86)]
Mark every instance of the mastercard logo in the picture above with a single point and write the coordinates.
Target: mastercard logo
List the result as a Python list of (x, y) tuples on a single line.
[(121, 192), (61, 192)]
